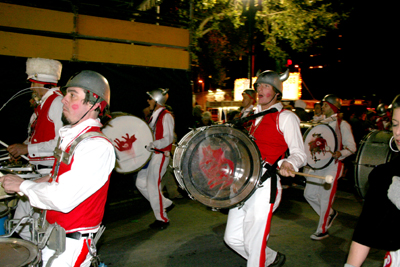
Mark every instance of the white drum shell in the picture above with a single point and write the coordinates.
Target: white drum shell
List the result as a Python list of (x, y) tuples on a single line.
[(373, 151)]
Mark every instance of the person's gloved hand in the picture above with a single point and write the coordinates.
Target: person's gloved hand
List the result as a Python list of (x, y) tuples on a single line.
[(394, 191), (150, 147)]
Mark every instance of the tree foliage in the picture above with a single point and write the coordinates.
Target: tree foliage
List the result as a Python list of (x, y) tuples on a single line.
[(220, 31)]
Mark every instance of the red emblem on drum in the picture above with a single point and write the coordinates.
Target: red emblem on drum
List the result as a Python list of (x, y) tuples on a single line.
[(216, 167), (317, 145), (125, 145)]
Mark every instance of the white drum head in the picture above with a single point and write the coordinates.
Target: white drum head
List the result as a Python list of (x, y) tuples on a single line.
[(129, 135), (320, 142)]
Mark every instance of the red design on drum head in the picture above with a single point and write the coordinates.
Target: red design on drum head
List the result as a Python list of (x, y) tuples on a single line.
[(317, 145), (216, 167), (125, 145)]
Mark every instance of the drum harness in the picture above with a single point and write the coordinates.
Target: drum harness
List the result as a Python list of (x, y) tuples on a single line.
[(54, 234), (270, 170)]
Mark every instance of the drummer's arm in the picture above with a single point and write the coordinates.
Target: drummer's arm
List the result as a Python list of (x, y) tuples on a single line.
[(43, 179), (349, 145), (289, 124)]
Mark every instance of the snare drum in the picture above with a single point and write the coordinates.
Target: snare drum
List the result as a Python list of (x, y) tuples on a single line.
[(18, 252), (129, 135), (219, 166), (374, 150), (26, 171), (320, 142)]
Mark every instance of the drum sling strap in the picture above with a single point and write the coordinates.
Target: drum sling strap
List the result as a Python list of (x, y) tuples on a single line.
[(271, 173), (270, 169)]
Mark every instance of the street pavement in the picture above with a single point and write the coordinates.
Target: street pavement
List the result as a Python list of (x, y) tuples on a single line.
[(195, 235)]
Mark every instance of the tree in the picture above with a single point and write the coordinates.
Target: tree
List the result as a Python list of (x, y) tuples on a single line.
[(220, 33)]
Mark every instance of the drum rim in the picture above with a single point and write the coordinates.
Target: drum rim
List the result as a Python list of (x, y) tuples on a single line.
[(336, 143), (362, 191), (253, 180), (124, 114), (31, 247)]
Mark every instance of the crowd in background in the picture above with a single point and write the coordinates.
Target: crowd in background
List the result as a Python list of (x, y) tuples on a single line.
[(363, 119)]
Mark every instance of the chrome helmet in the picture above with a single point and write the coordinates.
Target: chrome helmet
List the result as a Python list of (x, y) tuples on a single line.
[(159, 95), (93, 82), (272, 78)]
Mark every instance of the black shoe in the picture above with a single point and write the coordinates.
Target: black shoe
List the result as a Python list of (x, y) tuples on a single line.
[(279, 260), (332, 217), (319, 236), (159, 225), (168, 209)]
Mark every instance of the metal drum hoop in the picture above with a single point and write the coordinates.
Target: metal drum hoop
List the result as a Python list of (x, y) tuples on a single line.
[(233, 140), (378, 141), (11, 248), (335, 139)]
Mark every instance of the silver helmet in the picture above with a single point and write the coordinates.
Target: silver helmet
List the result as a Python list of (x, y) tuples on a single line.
[(93, 82), (159, 95), (334, 100), (381, 110), (272, 78)]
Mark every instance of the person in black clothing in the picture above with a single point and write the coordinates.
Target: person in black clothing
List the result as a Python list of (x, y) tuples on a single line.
[(378, 224)]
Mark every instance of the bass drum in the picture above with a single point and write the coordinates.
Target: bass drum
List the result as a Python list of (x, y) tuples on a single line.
[(129, 135), (320, 142), (219, 166), (374, 150), (18, 252)]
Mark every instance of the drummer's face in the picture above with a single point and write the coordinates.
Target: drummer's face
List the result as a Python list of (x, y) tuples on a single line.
[(73, 106), (266, 94), (246, 100), (396, 127), (327, 110), (152, 104)]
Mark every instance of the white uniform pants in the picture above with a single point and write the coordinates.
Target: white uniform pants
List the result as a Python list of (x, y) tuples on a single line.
[(75, 254), (392, 259), (248, 228), (321, 195), (148, 182)]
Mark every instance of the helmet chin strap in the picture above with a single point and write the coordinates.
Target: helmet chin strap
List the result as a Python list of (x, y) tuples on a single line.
[(72, 124)]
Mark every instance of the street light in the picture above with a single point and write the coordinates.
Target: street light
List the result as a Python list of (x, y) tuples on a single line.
[(201, 82)]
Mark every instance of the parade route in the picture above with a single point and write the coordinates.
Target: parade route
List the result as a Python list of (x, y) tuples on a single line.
[(195, 235)]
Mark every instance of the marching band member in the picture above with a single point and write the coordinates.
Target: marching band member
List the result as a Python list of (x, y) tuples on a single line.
[(318, 116), (377, 226), (148, 180), (318, 194), (248, 228), (248, 102), (74, 196), (43, 128)]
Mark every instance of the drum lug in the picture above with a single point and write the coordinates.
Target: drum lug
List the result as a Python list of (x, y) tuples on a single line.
[(240, 205)]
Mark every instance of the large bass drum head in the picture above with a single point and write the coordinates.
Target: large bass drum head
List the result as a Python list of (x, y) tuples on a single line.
[(374, 150), (219, 166), (319, 143), (129, 135)]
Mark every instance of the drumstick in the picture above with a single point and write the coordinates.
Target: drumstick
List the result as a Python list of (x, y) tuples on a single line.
[(328, 179), (166, 153), (19, 193), (23, 156)]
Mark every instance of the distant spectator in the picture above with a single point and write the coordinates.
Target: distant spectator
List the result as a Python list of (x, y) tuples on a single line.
[(300, 110), (318, 116), (196, 115), (205, 119)]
